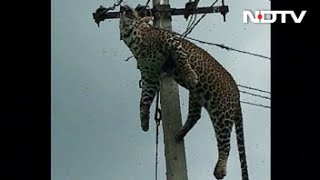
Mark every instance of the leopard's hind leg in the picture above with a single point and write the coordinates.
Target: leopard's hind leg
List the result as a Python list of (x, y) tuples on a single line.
[(222, 122), (194, 115)]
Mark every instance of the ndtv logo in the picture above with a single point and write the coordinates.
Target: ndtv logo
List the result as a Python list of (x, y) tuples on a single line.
[(267, 17)]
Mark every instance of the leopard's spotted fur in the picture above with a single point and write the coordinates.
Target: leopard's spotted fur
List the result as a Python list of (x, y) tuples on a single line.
[(209, 84)]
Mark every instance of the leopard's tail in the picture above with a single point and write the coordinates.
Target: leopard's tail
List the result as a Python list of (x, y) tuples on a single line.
[(241, 146)]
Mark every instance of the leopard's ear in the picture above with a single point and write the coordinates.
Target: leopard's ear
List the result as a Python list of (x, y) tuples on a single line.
[(146, 19)]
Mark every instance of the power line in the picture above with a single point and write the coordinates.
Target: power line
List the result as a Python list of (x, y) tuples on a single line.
[(257, 95), (129, 58), (192, 20), (229, 48), (254, 104), (251, 88)]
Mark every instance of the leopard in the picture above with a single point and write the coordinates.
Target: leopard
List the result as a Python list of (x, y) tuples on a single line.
[(159, 51)]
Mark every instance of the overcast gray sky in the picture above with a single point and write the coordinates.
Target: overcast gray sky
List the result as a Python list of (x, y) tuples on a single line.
[(96, 132)]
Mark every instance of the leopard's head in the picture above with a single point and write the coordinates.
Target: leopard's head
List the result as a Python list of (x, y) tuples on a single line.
[(129, 19)]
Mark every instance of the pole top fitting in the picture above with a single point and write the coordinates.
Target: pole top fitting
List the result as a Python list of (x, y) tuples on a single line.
[(224, 10), (100, 14)]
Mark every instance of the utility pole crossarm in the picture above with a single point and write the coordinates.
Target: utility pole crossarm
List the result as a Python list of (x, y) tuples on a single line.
[(102, 13)]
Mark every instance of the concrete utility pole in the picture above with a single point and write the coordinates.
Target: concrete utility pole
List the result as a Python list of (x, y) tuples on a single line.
[(169, 92), (176, 164)]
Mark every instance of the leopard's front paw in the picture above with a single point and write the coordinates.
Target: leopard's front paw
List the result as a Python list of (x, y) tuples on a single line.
[(145, 126), (144, 116), (192, 79)]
